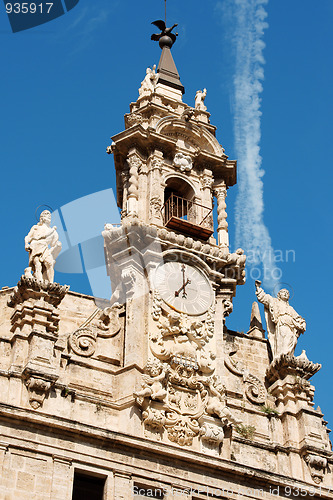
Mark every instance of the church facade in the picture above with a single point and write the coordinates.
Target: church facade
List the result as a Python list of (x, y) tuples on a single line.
[(150, 395)]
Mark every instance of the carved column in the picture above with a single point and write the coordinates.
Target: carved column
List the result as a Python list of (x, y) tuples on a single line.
[(156, 191), (134, 163), (207, 201), (35, 323), (127, 256), (222, 225), (125, 179)]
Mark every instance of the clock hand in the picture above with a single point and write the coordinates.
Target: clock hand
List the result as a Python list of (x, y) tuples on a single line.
[(183, 288), (183, 271), (184, 292)]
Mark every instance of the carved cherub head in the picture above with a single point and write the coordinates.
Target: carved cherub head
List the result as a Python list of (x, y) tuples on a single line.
[(154, 367), (283, 295)]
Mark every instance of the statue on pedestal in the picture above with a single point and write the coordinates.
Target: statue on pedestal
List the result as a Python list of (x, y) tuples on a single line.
[(43, 245), (284, 324)]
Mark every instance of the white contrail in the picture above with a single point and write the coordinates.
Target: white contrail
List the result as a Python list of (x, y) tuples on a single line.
[(251, 233)]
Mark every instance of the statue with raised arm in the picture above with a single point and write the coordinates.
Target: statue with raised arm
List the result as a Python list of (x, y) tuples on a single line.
[(284, 324), (199, 100), (149, 82), (42, 243)]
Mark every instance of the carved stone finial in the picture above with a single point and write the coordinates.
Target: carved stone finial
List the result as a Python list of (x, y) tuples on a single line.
[(256, 329), (255, 316), (42, 243), (284, 324)]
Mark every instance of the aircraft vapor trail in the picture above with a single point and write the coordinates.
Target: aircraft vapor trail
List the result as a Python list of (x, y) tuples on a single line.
[(251, 233)]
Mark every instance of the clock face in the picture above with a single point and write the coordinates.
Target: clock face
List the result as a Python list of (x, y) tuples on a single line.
[(184, 288)]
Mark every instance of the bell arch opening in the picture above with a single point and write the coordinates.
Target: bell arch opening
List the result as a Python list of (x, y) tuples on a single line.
[(179, 187), (182, 213)]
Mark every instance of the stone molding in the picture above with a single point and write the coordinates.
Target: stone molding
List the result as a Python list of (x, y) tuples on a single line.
[(31, 288)]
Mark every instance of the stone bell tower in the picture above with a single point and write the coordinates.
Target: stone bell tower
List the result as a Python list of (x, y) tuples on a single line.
[(169, 164), (176, 281)]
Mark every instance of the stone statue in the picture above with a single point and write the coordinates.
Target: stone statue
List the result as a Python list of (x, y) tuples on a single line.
[(149, 82), (284, 325), (199, 100), (43, 246), (217, 403)]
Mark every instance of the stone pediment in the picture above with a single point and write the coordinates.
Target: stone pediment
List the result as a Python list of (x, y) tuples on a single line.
[(189, 136)]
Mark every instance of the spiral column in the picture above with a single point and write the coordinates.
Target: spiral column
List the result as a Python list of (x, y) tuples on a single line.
[(222, 225)]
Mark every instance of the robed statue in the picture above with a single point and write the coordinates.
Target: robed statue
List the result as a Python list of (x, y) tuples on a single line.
[(284, 324)]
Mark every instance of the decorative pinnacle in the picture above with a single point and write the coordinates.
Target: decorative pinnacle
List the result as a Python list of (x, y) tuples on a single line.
[(165, 38)]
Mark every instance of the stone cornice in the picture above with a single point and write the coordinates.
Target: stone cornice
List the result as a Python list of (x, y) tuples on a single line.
[(122, 443)]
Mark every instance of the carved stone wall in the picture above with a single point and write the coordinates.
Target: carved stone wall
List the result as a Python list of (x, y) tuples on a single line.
[(185, 401)]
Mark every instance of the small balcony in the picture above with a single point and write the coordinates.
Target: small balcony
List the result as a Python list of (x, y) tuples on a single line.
[(188, 217)]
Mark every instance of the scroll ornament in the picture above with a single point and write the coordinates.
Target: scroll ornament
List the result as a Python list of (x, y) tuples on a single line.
[(101, 323)]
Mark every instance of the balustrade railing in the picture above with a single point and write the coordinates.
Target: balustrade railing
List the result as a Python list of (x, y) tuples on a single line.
[(188, 216)]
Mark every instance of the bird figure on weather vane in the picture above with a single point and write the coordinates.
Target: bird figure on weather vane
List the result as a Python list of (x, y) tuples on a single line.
[(165, 38)]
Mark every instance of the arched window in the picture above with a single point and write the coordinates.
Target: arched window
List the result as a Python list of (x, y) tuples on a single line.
[(179, 199), (181, 212)]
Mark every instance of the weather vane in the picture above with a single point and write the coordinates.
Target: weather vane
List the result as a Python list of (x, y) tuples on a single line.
[(165, 38)]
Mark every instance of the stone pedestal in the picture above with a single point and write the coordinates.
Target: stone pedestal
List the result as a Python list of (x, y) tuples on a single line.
[(302, 426), (34, 324)]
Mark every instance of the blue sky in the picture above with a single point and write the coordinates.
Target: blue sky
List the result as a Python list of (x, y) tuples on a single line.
[(65, 88)]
